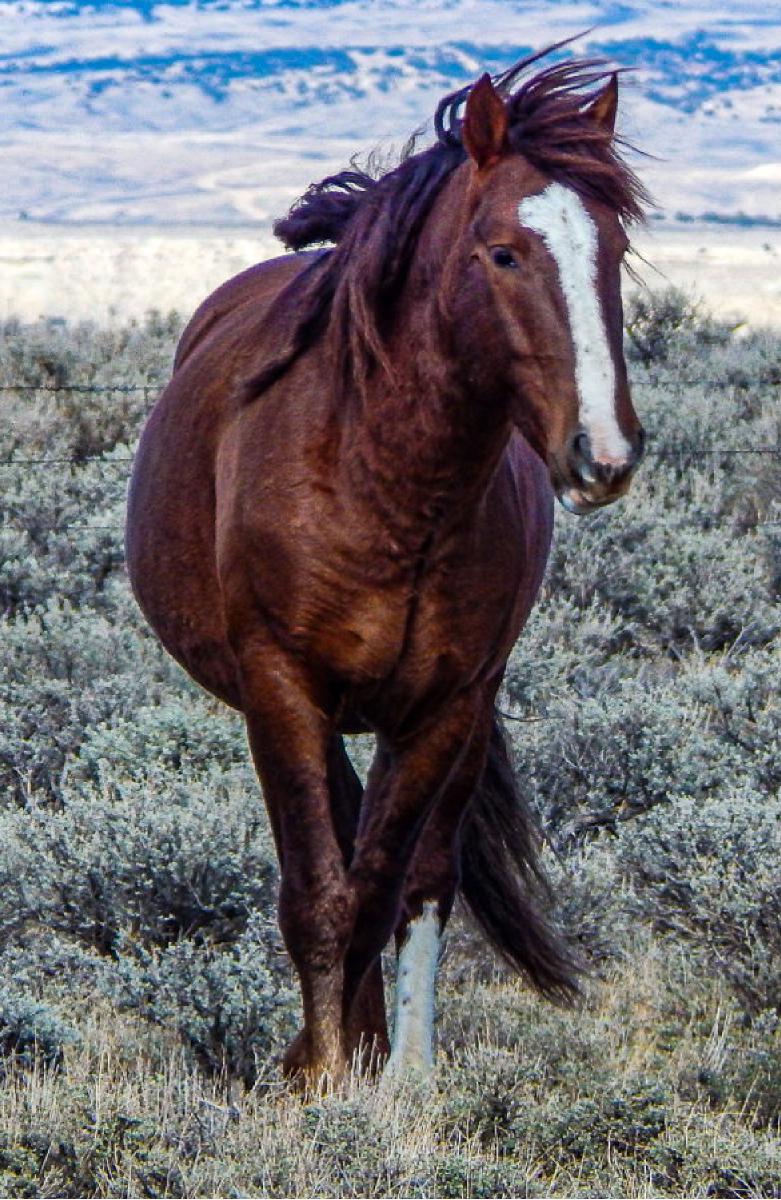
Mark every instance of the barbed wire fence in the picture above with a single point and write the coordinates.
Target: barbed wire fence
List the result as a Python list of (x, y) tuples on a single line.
[(148, 392)]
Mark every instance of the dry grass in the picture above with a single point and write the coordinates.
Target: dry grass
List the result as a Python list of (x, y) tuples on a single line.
[(648, 1090)]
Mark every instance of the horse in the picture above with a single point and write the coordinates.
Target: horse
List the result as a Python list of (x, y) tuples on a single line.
[(340, 513)]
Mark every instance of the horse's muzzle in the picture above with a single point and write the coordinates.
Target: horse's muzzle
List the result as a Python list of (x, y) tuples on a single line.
[(588, 483)]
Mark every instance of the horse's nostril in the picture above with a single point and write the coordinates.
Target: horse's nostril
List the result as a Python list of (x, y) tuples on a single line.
[(581, 446), (587, 471), (580, 458)]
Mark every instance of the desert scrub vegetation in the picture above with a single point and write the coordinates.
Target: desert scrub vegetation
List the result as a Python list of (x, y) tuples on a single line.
[(145, 996)]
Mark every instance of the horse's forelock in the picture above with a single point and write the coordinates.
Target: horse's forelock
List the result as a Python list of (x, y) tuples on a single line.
[(550, 125)]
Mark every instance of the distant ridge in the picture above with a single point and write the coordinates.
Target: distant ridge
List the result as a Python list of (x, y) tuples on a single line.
[(128, 110)]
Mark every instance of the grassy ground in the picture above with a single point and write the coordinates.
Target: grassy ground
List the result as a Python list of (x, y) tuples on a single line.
[(144, 994), (655, 1087)]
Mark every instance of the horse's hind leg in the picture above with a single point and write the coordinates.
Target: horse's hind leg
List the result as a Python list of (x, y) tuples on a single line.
[(289, 739), (429, 892), (436, 771)]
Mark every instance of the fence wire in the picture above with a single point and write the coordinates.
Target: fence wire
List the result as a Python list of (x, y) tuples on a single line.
[(86, 389), (663, 452), (151, 389), (148, 392), (156, 385)]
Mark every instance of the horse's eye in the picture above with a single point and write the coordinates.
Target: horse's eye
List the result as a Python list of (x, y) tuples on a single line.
[(502, 257)]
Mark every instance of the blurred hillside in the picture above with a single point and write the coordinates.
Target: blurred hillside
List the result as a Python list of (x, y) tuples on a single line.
[(223, 111)]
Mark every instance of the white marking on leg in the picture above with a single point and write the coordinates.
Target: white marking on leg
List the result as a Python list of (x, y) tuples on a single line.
[(559, 216), (417, 966)]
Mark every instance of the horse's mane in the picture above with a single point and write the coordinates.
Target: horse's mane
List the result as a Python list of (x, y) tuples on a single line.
[(374, 218)]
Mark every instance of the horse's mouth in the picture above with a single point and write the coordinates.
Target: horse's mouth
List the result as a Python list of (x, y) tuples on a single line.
[(576, 501), (582, 485)]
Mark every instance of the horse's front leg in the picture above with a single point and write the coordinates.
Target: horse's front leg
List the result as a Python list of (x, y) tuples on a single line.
[(288, 734), (438, 768)]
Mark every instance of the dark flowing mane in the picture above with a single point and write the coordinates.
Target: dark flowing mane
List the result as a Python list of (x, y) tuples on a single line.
[(374, 220)]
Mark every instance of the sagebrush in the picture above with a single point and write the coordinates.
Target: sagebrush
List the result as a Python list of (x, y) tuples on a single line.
[(137, 872)]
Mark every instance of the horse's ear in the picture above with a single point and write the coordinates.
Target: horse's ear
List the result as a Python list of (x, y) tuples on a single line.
[(485, 126), (604, 108)]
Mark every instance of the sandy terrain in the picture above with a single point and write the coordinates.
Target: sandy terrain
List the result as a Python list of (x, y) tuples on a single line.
[(105, 273), (735, 271)]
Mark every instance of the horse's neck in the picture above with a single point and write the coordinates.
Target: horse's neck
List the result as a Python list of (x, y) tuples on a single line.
[(422, 443), (419, 441)]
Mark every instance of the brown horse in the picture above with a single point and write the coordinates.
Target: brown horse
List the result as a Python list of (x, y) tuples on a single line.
[(341, 511)]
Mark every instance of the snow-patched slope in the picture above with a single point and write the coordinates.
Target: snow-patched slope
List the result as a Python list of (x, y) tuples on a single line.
[(224, 110)]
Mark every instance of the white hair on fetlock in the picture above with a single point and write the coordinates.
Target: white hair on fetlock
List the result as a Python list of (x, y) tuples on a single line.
[(414, 1027)]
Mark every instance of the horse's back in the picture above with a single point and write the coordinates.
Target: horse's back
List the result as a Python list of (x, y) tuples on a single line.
[(245, 298), (170, 538)]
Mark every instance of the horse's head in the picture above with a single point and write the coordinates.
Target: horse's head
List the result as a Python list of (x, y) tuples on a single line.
[(534, 295)]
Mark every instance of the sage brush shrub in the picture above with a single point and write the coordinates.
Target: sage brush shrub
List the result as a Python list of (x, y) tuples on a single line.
[(31, 1033), (595, 903), (192, 859), (707, 871), (66, 421), (42, 964), (739, 693), (135, 857), (564, 648), (62, 532), (661, 324), (545, 1083), (752, 1076), (595, 762), (646, 753), (174, 734), (77, 693), (232, 1006), (620, 1099), (677, 574)]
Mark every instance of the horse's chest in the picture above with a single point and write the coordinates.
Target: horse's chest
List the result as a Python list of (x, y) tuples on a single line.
[(429, 635), (362, 635), (375, 618)]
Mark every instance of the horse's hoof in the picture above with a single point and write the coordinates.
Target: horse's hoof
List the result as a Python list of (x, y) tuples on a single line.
[(412, 1074), (312, 1078)]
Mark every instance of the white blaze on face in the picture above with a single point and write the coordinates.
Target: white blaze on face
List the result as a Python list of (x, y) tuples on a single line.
[(413, 1030), (559, 216)]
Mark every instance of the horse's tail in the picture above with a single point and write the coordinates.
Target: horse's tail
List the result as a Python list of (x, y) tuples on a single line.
[(503, 882)]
